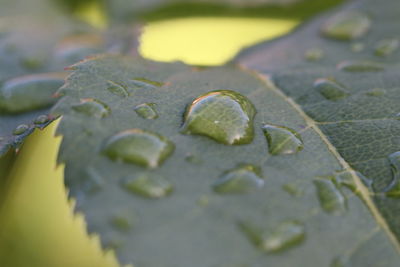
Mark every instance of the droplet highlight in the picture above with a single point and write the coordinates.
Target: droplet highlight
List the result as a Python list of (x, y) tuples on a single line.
[(147, 111), (224, 116), (148, 186), (347, 26), (92, 107), (243, 179), (282, 140), (139, 147), (330, 89)]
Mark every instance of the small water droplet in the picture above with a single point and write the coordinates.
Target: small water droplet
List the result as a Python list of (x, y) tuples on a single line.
[(386, 47), (121, 223), (357, 47), (293, 189), (346, 26), (393, 189), (147, 111), (149, 186), (360, 66), (143, 82), (314, 54), (345, 179), (376, 92), (243, 179), (284, 236), (282, 140), (225, 116), (20, 129), (41, 119), (330, 89), (139, 147), (92, 107), (30, 92), (330, 197), (117, 89)]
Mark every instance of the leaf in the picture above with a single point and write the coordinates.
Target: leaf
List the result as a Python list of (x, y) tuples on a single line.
[(206, 203), (363, 125), (32, 50), (122, 11)]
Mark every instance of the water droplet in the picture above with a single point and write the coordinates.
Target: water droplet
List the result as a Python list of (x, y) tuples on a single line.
[(147, 111), (293, 189), (139, 147), (330, 89), (92, 107), (330, 196), (21, 129), (357, 47), (243, 179), (117, 89), (30, 92), (284, 236), (225, 116), (360, 66), (149, 186), (41, 119), (386, 47), (376, 92), (121, 223), (345, 179), (393, 189), (347, 26), (92, 182), (282, 140), (143, 82), (314, 54)]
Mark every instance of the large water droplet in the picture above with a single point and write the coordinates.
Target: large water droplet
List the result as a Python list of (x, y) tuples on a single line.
[(117, 89), (282, 140), (225, 116), (121, 223), (284, 236), (346, 26), (393, 190), (147, 111), (330, 89), (360, 66), (386, 47), (21, 129), (329, 195), (149, 186), (92, 107), (30, 92), (139, 147), (243, 179)]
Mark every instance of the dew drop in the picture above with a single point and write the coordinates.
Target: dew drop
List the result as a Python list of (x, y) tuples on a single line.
[(148, 186), (143, 82), (92, 182), (386, 47), (346, 26), (345, 179), (243, 179), (330, 89), (139, 147), (314, 54), (20, 129), (225, 116), (121, 223), (147, 111), (41, 119), (30, 92), (360, 66), (393, 190), (330, 197), (282, 140), (117, 89), (376, 92), (92, 107), (284, 236)]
